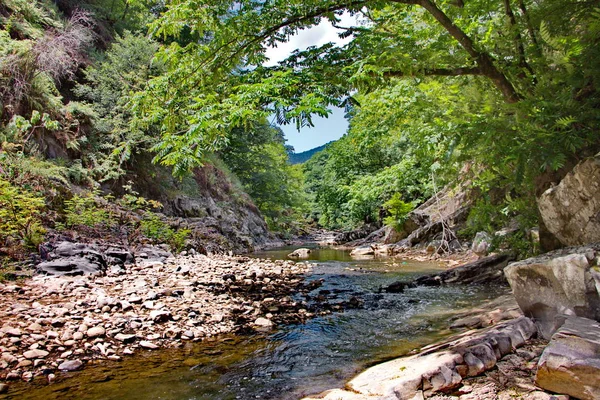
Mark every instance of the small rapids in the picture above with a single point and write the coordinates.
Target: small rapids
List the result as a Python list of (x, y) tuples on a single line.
[(291, 361)]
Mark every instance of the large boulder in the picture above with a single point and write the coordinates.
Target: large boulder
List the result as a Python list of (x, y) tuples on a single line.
[(73, 259), (563, 282), (570, 364), (571, 209)]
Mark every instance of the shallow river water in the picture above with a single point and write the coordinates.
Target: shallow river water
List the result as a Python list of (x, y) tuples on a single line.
[(292, 361)]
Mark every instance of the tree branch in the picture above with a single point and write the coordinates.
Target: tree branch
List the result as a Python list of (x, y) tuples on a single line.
[(437, 72), (484, 60)]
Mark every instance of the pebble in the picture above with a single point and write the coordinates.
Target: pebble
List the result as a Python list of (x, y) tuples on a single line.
[(264, 322), (113, 312), (148, 345), (36, 353), (3, 388), (71, 365), (96, 331)]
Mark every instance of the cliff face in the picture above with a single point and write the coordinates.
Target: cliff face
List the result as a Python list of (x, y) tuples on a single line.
[(220, 214)]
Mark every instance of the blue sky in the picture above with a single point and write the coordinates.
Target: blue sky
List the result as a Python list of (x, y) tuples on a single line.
[(325, 129)]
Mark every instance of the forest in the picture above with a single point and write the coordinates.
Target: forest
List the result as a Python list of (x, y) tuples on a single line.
[(157, 229), (502, 95)]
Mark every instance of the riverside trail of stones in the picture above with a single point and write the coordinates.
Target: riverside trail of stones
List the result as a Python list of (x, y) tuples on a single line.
[(51, 324)]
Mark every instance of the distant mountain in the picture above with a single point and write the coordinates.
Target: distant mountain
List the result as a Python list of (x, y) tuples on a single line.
[(299, 158)]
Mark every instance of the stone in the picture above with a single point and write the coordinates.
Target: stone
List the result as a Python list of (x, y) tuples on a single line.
[(14, 332), (37, 353), (570, 364), (25, 364), (160, 316), (9, 358), (363, 251), (557, 283), (571, 209), (3, 388), (263, 322), (71, 365), (148, 345), (481, 244), (125, 338), (300, 253), (78, 336), (71, 266), (96, 331)]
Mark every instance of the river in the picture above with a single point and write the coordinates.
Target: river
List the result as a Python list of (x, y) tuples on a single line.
[(291, 361)]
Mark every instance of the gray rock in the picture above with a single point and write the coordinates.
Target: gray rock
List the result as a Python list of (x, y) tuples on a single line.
[(485, 270), (263, 322), (14, 332), (571, 209), (570, 364), (300, 253), (481, 244), (557, 283), (71, 266), (438, 368), (71, 365)]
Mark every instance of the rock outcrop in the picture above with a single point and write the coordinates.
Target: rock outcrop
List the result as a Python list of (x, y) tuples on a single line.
[(570, 364), (438, 368), (221, 216), (563, 282), (571, 209), (486, 270), (73, 259)]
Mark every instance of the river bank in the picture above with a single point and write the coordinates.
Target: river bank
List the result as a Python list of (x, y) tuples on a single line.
[(52, 324)]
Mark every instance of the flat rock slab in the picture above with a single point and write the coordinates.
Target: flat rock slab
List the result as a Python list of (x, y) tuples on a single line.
[(570, 364), (438, 368)]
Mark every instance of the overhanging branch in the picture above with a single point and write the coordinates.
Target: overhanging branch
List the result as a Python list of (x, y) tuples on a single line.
[(436, 72)]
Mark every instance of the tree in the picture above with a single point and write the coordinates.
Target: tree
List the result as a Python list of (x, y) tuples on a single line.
[(402, 38)]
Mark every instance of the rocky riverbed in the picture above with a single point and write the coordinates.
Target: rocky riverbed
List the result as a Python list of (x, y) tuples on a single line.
[(52, 324)]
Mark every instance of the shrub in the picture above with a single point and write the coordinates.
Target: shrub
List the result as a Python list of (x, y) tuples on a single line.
[(83, 210), (20, 216), (153, 227), (398, 210)]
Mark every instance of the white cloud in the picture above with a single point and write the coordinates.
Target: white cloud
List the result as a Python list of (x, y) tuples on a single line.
[(315, 36)]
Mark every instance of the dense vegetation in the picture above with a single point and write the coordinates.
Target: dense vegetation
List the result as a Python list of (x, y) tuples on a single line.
[(504, 91)]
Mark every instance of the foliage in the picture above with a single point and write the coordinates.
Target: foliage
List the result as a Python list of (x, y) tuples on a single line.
[(125, 68), (259, 159), (398, 211), (86, 210), (20, 216), (153, 227)]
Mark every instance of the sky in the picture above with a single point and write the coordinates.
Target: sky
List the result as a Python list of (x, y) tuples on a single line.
[(325, 129)]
